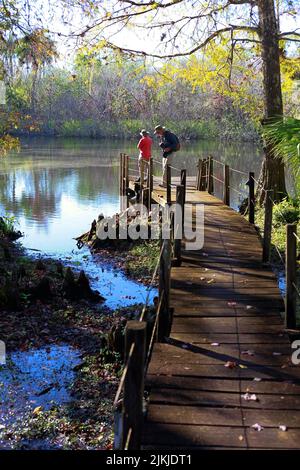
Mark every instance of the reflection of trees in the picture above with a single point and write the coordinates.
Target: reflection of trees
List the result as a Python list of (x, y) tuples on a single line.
[(32, 194), (95, 181), (32, 183)]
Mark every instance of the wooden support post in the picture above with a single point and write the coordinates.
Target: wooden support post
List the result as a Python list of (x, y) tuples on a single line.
[(126, 179), (135, 333), (150, 182), (168, 170), (251, 198), (121, 181), (204, 178), (291, 276), (120, 174), (226, 186), (268, 226), (199, 175), (163, 328), (210, 183), (178, 226), (183, 183)]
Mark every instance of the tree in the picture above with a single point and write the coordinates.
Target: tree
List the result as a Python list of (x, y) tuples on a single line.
[(243, 21), (35, 49)]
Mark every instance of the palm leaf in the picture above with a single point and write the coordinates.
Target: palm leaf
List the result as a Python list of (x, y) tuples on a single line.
[(284, 137)]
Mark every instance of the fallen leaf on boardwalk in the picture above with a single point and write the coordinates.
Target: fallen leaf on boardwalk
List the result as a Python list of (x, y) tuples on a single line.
[(215, 344), (230, 364), (249, 307), (231, 304), (257, 427), (283, 428), (248, 352), (202, 278), (241, 438), (210, 281), (242, 366), (257, 379), (250, 397)]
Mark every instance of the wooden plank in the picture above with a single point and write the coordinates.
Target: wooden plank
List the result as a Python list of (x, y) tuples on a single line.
[(222, 399), (273, 439), (222, 338), (192, 383), (194, 415), (219, 371), (178, 434)]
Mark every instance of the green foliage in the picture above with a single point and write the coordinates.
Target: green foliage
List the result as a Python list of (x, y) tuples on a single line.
[(287, 211), (7, 225), (284, 136)]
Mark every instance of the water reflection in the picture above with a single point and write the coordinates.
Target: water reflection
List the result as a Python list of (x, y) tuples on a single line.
[(56, 187), (73, 180)]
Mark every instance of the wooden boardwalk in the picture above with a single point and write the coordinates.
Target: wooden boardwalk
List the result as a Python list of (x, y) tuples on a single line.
[(226, 365)]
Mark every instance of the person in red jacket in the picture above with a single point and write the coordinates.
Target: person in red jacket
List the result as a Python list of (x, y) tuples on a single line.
[(145, 148)]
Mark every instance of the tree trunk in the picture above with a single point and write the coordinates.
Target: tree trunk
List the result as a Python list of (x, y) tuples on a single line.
[(272, 173)]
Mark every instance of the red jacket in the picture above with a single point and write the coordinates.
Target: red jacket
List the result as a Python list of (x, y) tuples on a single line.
[(144, 146)]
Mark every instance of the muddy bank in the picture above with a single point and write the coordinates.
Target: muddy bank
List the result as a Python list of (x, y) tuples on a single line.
[(136, 258), (64, 355)]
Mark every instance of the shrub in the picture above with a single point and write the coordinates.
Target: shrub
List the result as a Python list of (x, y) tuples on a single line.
[(287, 211)]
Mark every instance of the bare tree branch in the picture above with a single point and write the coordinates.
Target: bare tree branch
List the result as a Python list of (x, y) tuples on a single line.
[(210, 38)]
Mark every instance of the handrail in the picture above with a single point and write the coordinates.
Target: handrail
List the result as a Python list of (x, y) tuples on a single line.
[(123, 376), (160, 327), (290, 264), (238, 171)]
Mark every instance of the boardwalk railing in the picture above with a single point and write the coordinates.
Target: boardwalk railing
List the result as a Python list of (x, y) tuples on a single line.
[(205, 175), (140, 335)]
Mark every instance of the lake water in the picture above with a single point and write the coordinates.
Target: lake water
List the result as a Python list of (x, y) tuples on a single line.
[(56, 187)]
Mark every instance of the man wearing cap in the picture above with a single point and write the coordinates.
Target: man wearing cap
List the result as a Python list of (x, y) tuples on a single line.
[(169, 143), (145, 148)]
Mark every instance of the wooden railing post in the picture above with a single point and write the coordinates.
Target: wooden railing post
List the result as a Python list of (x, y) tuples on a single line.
[(251, 198), (120, 173), (210, 183), (122, 186), (183, 183), (126, 178), (164, 290), (168, 170), (135, 333), (268, 226), (150, 182), (226, 186), (199, 175), (179, 225), (291, 276), (203, 178)]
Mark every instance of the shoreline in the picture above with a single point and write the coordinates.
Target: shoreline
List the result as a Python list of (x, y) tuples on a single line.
[(92, 330)]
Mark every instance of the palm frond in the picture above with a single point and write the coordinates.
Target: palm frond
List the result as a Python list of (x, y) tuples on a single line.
[(284, 137)]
